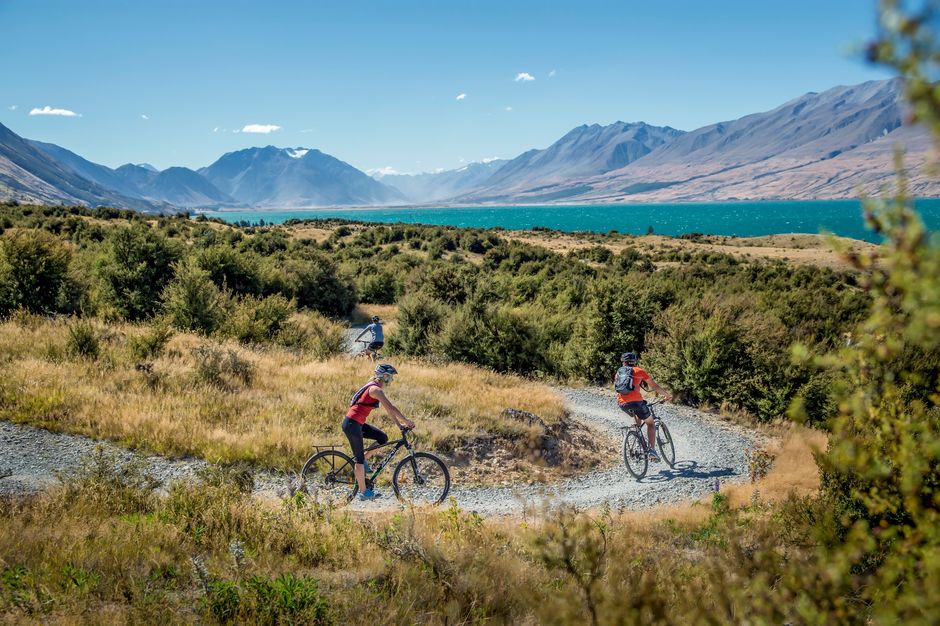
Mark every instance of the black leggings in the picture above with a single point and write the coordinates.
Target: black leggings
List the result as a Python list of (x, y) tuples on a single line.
[(355, 432)]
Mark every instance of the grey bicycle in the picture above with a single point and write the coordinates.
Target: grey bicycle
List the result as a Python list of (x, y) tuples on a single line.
[(636, 447)]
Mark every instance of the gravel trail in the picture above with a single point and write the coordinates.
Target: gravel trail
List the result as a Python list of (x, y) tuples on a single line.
[(32, 458)]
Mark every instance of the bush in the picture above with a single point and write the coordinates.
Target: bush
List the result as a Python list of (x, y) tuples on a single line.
[(34, 273), (150, 345), (616, 320), (378, 288), (221, 368), (315, 284), (134, 270), (313, 333), (420, 319), (230, 269), (82, 341), (258, 320), (491, 336), (192, 302)]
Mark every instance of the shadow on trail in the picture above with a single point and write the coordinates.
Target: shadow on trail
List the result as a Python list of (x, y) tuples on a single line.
[(688, 469)]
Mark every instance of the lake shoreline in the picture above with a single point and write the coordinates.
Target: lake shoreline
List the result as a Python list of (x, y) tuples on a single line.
[(843, 218)]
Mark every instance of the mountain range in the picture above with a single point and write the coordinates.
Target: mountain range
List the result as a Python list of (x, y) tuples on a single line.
[(833, 144)]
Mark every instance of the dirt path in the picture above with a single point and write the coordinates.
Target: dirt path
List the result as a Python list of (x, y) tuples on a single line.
[(706, 451)]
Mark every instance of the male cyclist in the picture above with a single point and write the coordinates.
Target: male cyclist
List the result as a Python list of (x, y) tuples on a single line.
[(627, 382), (363, 402), (378, 337)]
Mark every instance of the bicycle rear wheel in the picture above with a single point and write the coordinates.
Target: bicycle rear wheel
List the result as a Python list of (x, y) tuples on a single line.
[(421, 478), (634, 454), (666, 448), (329, 478)]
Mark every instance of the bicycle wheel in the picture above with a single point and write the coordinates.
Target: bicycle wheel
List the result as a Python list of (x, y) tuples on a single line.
[(329, 478), (666, 449), (421, 478), (634, 454)]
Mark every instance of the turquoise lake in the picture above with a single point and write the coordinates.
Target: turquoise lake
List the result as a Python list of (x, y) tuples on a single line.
[(741, 219)]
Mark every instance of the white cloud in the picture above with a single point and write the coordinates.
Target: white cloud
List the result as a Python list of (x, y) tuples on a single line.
[(509, 108), (490, 159), (216, 129), (462, 96), (552, 74), (524, 77), (12, 107), (298, 153), (263, 129), (388, 170), (47, 110), (144, 117), (307, 130)]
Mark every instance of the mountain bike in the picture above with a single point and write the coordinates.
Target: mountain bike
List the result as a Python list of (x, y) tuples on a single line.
[(367, 351), (419, 478), (636, 446)]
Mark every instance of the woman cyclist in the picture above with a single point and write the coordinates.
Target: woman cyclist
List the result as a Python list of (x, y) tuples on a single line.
[(363, 402)]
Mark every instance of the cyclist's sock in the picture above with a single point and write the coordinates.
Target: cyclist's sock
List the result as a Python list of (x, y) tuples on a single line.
[(366, 467)]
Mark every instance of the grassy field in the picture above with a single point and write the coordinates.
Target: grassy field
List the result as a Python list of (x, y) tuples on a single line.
[(103, 548), (226, 402)]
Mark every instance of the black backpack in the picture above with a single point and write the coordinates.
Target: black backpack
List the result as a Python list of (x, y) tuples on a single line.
[(623, 381)]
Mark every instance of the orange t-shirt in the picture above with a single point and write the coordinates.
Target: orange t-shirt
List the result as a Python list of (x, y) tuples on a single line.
[(639, 376)]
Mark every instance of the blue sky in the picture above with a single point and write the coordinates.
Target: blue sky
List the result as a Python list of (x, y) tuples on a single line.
[(377, 83)]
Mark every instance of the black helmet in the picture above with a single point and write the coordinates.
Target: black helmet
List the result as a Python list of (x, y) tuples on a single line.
[(375, 318), (630, 358), (384, 372)]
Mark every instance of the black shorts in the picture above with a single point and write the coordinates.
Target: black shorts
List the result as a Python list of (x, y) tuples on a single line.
[(638, 409), (355, 432), (376, 345)]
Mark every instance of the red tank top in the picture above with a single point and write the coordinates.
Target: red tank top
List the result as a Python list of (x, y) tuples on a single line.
[(359, 409)]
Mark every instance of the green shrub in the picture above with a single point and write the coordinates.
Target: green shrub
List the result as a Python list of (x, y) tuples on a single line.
[(258, 320), (220, 368), (150, 344), (615, 321), (420, 319), (491, 336), (314, 283), (83, 341), (313, 333), (378, 288), (231, 269), (192, 302), (134, 270), (34, 273)]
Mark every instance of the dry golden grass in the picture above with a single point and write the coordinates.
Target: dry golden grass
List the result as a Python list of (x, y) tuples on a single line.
[(794, 472), (291, 402), (795, 248)]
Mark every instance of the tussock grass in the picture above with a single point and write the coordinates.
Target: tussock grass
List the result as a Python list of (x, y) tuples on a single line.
[(104, 548), (271, 416)]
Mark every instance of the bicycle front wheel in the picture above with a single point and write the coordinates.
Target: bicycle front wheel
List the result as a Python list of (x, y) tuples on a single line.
[(421, 478), (634, 454), (666, 448), (329, 478)]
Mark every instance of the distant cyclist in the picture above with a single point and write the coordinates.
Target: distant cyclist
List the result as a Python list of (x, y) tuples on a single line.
[(627, 382), (363, 402), (378, 337)]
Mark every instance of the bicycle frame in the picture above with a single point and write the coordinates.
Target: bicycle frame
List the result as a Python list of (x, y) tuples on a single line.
[(639, 426), (398, 445)]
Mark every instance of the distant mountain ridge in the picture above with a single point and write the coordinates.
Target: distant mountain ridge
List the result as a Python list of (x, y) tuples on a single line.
[(435, 186), (583, 152), (299, 177), (833, 144), (29, 174)]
